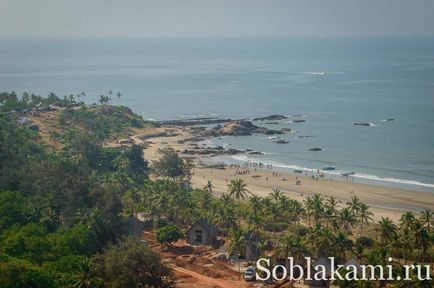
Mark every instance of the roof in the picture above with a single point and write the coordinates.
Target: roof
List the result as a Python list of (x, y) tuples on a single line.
[(206, 225), (325, 262), (354, 263)]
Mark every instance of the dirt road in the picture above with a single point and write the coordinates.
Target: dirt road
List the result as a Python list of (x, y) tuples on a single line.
[(208, 281)]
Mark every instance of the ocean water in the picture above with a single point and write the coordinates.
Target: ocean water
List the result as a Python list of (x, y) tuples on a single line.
[(365, 80)]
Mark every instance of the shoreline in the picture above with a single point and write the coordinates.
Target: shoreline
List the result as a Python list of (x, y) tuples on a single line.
[(384, 201)]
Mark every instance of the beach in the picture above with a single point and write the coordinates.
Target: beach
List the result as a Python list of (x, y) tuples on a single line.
[(384, 201)]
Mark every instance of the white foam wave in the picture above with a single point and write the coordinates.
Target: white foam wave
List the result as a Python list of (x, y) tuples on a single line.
[(336, 173), (394, 180), (315, 73)]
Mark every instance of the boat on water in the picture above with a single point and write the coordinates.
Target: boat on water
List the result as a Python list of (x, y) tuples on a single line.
[(329, 168)]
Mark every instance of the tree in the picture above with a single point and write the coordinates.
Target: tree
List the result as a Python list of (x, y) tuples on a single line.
[(355, 204), (237, 243), (386, 230), (132, 264), (427, 219), (348, 219), (209, 186), (237, 189), (118, 95), (172, 166), (365, 216), (168, 235)]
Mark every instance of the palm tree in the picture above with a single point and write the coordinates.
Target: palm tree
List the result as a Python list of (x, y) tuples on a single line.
[(237, 189), (276, 194), (255, 203), (407, 221), (386, 230), (204, 201), (348, 219), (318, 207), (365, 216), (308, 204), (341, 245), (427, 219), (119, 95), (208, 187), (355, 204), (237, 242)]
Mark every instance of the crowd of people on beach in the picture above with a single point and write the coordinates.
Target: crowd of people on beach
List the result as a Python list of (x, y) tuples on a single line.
[(244, 169)]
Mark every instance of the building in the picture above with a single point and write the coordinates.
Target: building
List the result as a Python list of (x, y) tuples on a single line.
[(202, 232)]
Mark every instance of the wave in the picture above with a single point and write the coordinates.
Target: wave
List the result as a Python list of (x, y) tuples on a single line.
[(315, 73), (335, 173), (393, 180)]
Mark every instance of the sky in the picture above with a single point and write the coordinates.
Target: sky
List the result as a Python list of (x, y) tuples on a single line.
[(215, 18)]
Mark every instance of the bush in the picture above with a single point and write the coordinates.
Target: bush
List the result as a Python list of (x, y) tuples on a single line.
[(131, 264), (169, 234)]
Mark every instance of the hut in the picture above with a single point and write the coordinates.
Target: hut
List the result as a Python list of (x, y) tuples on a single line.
[(202, 232)]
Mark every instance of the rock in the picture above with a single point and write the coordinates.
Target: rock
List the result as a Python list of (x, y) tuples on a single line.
[(286, 130), (281, 142), (315, 149), (256, 153), (240, 128), (298, 121), (362, 124), (271, 118), (272, 123)]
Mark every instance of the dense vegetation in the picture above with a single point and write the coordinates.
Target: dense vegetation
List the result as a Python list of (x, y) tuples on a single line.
[(62, 218), (64, 213)]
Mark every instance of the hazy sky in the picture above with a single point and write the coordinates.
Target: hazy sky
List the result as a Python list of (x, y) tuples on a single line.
[(216, 17)]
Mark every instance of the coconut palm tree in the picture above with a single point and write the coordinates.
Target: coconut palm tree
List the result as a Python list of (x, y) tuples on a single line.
[(237, 189), (255, 203), (119, 95), (407, 221), (237, 241), (341, 245), (386, 229), (365, 216), (276, 194), (308, 206), (318, 208), (348, 219), (427, 219), (209, 186), (355, 204)]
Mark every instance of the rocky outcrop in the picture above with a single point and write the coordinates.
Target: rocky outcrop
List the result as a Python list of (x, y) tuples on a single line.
[(240, 128), (315, 149), (194, 121), (281, 142), (271, 118)]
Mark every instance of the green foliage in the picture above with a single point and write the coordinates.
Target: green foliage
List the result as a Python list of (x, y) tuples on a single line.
[(15, 273), (13, 209), (172, 166), (132, 264), (168, 234)]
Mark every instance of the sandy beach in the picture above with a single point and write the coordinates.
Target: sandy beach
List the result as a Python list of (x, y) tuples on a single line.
[(384, 201)]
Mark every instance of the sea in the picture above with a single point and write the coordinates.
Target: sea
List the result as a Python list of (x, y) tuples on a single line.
[(331, 83)]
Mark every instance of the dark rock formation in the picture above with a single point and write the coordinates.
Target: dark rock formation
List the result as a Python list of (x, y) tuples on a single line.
[(281, 142), (271, 118), (315, 149), (240, 128)]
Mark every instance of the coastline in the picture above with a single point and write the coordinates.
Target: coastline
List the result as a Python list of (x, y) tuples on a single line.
[(384, 201)]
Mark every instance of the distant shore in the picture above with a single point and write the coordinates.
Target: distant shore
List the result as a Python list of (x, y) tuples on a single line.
[(384, 201)]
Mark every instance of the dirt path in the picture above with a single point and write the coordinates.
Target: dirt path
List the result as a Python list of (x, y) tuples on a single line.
[(206, 280)]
